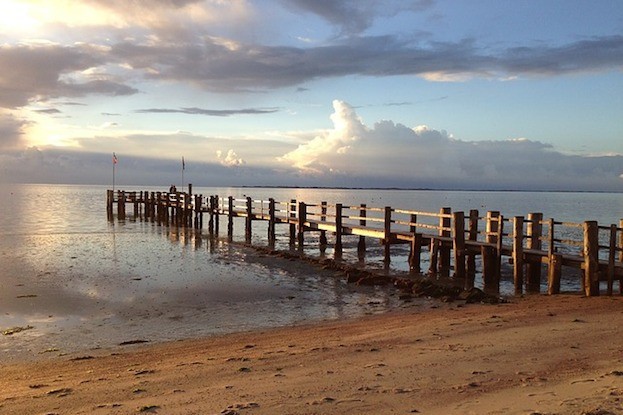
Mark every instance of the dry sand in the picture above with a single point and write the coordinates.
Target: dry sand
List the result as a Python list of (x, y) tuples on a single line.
[(535, 355)]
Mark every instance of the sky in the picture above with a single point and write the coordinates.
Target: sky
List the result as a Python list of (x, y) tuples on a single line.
[(445, 94)]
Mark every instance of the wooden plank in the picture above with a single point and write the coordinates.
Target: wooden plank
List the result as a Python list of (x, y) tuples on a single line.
[(301, 225)]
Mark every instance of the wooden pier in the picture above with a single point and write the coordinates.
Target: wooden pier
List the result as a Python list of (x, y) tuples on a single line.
[(454, 240)]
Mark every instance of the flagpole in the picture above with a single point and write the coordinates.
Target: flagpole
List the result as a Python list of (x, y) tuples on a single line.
[(114, 162), (183, 166)]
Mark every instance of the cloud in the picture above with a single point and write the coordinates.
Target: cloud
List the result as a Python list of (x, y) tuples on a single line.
[(231, 159), (355, 16), (209, 112), (426, 157), (48, 111), (39, 72), (11, 131), (223, 65)]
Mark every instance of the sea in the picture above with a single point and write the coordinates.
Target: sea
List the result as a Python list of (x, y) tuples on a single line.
[(74, 280)]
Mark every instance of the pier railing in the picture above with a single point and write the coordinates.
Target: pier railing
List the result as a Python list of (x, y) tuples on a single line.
[(454, 240)]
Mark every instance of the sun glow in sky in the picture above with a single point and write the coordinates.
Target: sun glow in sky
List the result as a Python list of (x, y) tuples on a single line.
[(420, 93)]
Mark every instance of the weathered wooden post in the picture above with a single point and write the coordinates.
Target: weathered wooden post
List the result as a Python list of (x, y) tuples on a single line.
[(121, 205), (361, 245), (217, 213), (211, 215), (415, 254), (471, 256), (458, 244), (292, 221), (518, 235), (230, 217), (248, 224), (621, 253), (387, 234), (136, 205), (338, 231), (445, 223), (271, 222), (416, 245), (554, 271), (492, 227), (301, 225), (110, 196), (323, 234), (612, 249), (534, 231), (591, 258), (490, 271)]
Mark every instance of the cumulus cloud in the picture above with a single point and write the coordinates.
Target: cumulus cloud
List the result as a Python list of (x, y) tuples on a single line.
[(423, 156), (231, 159)]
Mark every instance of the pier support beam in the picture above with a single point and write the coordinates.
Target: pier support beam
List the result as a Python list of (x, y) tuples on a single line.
[(361, 245), (323, 234), (301, 225), (338, 231), (387, 235), (271, 223), (471, 256), (534, 231)]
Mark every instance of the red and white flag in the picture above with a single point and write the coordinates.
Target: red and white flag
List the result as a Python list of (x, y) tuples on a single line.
[(114, 158)]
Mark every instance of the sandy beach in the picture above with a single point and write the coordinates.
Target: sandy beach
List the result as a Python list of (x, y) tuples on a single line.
[(533, 355)]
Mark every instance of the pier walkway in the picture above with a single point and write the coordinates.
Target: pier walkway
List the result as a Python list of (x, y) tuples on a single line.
[(454, 240)]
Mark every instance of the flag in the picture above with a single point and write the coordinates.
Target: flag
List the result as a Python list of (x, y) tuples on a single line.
[(114, 158), (183, 164)]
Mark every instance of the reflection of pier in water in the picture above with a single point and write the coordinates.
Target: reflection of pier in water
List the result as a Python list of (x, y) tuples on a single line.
[(454, 240)]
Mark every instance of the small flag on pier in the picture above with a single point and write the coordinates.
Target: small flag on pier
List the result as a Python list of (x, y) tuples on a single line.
[(114, 158), (183, 164)]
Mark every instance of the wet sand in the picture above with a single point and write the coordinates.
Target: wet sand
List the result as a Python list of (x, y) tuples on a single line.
[(534, 355)]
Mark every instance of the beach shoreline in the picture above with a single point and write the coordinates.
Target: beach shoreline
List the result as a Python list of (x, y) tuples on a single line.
[(536, 354)]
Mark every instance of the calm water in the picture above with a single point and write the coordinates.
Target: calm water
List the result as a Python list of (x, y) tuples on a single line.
[(83, 282)]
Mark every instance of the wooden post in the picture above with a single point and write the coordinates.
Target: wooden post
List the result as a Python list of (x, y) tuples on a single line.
[(458, 244), (291, 220), (554, 271), (248, 228), (217, 213), (490, 273), (387, 232), (271, 222), (611, 257), (338, 231), (301, 225), (591, 258), (110, 196), (230, 217), (518, 254), (445, 223), (361, 246), (471, 257), (121, 205), (621, 254), (136, 205), (415, 254), (416, 245), (533, 268), (323, 234), (211, 213)]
